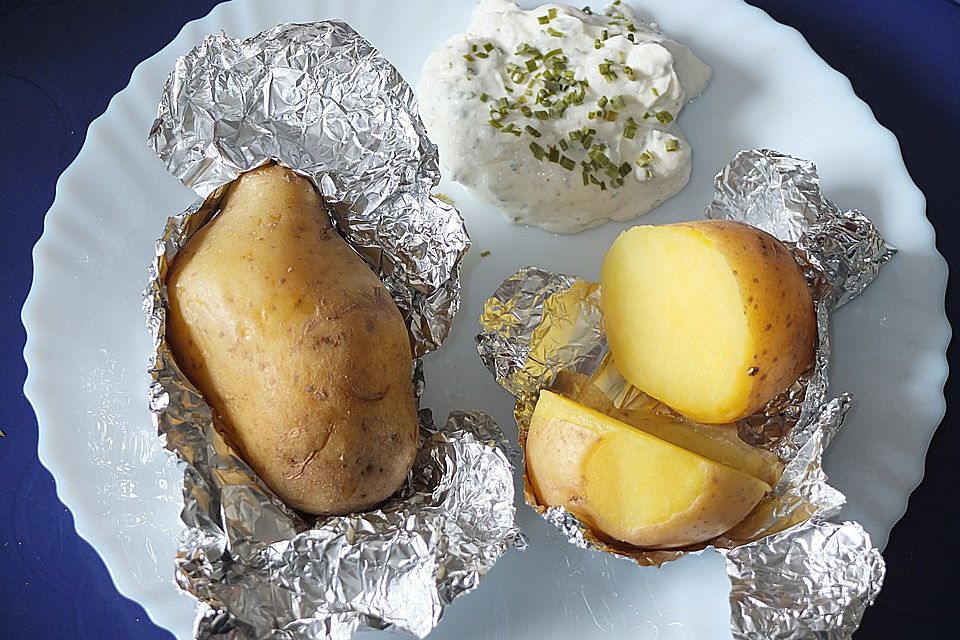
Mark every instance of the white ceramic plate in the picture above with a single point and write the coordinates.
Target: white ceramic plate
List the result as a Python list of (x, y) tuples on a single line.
[(88, 348)]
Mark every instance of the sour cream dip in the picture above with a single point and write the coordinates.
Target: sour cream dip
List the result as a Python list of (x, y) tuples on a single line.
[(561, 118)]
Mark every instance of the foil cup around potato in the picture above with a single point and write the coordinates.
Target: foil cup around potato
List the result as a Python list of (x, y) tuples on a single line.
[(542, 330), (319, 99)]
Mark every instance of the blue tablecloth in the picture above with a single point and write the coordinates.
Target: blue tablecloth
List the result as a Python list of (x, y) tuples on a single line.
[(60, 63)]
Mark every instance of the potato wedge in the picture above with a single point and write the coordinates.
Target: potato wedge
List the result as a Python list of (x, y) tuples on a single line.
[(713, 318), (629, 484), (718, 442)]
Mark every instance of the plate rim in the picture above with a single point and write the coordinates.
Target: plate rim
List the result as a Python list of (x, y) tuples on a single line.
[(86, 524)]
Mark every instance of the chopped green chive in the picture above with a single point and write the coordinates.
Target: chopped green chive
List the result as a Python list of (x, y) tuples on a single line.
[(630, 129), (606, 71), (484, 97), (602, 102), (611, 116), (564, 145), (554, 154), (597, 155), (526, 50), (672, 145), (468, 57), (567, 163), (645, 159), (655, 92), (495, 124), (554, 32), (537, 150), (484, 254), (543, 19), (488, 47), (532, 131), (618, 102), (664, 117), (625, 168), (551, 13)]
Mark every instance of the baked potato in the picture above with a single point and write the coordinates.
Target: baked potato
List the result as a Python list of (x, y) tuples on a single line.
[(629, 484), (296, 345), (713, 318)]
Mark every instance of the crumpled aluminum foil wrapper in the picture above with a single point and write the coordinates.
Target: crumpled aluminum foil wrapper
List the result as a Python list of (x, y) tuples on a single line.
[(321, 100), (781, 195), (794, 573)]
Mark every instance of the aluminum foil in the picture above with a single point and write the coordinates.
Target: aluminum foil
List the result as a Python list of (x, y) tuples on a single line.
[(781, 195), (786, 559), (319, 99), (818, 579)]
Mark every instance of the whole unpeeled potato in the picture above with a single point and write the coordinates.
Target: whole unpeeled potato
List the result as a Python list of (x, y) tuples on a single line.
[(296, 345)]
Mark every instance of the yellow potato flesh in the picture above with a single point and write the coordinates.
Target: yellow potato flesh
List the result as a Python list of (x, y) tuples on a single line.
[(720, 443), (713, 318), (625, 477), (629, 484)]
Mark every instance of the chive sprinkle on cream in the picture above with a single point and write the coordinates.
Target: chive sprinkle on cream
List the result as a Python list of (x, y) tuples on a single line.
[(527, 95), (552, 86)]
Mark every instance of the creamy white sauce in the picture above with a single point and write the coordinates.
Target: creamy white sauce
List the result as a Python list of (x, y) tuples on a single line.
[(641, 79)]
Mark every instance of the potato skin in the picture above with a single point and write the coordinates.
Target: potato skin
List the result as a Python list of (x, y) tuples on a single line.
[(564, 434), (777, 304), (297, 347)]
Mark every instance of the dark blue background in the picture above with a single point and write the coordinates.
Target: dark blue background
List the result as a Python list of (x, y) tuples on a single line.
[(60, 63)]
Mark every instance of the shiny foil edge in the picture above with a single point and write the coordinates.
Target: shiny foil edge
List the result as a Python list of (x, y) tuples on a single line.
[(255, 564), (840, 254)]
